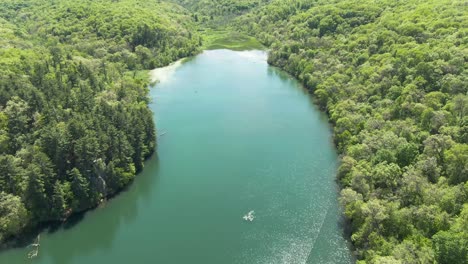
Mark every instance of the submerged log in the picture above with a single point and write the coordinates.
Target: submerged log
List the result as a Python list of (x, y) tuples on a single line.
[(162, 134), (35, 251)]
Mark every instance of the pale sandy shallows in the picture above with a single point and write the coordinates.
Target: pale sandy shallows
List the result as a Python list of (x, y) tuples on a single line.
[(164, 74)]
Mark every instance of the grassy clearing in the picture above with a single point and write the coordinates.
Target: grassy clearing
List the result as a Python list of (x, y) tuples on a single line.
[(224, 39)]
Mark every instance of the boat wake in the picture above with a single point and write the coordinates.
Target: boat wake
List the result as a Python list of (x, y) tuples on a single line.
[(249, 216)]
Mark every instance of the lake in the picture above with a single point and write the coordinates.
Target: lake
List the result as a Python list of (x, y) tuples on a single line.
[(235, 135)]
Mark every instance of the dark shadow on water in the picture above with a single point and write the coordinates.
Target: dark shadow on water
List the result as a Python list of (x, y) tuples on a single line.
[(122, 210), (25, 240), (74, 220), (92, 237), (343, 223), (292, 81), (345, 226)]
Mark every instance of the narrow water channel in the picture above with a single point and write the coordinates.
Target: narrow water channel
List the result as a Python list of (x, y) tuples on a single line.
[(235, 135)]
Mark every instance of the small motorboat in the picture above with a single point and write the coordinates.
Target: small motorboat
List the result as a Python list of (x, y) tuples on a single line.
[(249, 217)]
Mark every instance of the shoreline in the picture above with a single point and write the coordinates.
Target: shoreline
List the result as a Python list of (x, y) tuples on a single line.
[(163, 74)]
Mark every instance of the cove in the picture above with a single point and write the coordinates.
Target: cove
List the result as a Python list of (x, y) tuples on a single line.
[(235, 135)]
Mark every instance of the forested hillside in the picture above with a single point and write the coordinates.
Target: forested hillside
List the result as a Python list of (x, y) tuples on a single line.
[(218, 13), (75, 125), (392, 76)]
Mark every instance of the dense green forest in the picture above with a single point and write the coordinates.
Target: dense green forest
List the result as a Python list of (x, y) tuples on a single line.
[(75, 126), (218, 13), (391, 75)]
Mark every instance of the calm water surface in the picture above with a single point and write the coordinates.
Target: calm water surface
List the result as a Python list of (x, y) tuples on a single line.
[(239, 136)]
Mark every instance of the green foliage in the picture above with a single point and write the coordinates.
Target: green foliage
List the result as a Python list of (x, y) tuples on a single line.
[(452, 246), (75, 125), (216, 13), (12, 214), (456, 159)]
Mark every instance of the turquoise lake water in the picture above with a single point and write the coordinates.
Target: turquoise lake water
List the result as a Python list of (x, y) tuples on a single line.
[(236, 135)]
